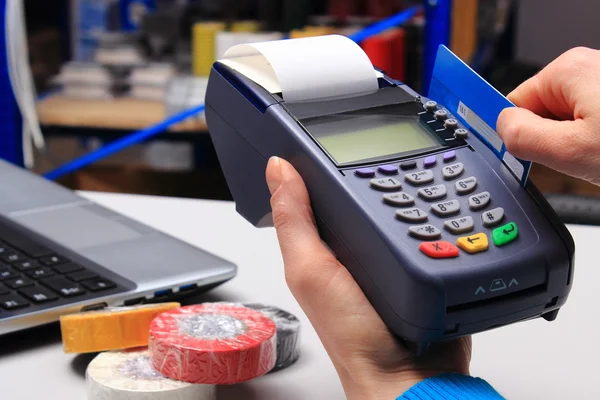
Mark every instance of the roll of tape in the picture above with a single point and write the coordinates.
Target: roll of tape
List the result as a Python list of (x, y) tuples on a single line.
[(129, 375), (112, 328), (288, 333), (213, 343), (203, 46)]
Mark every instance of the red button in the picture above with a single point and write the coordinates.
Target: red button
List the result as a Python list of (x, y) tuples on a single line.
[(439, 249)]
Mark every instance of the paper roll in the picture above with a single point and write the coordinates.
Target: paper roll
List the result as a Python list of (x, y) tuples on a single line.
[(213, 343), (226, 40), (288, 334), (112, 328), (306, 69), (130, 376)]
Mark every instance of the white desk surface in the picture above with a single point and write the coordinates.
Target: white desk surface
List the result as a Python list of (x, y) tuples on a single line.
[(531, 360)]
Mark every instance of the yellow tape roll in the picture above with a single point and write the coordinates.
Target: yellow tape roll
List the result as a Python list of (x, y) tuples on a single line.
[(245, 26), (113, 328), (203, 46)]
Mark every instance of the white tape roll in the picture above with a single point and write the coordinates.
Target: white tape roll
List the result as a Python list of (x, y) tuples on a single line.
[(130, 376)]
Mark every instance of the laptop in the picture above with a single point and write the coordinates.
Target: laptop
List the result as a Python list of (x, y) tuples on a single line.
[(61, 253)]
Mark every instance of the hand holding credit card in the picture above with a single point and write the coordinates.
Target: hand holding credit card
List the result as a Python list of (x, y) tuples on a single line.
[(476, 103)]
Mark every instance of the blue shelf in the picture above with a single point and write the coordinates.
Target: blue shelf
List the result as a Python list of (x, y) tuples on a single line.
[(11, 148), (438, 20)]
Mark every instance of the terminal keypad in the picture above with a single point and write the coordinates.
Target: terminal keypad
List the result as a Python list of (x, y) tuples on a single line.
[(433, 201)]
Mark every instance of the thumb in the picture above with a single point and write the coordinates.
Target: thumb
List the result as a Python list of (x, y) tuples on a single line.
[(308, 262), (534, 138)]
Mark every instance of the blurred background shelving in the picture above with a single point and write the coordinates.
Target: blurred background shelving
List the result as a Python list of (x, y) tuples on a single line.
[(105, 68)]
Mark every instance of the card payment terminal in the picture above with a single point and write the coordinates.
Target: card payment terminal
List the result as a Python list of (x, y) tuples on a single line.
[(438, 233)]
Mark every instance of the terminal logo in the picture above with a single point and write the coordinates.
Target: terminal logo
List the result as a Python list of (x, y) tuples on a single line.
[(497, 284)]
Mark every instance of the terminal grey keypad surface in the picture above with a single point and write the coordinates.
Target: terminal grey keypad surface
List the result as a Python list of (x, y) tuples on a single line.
[(435, 202)]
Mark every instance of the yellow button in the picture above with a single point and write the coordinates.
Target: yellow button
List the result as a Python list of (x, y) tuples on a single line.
[(474, 243)]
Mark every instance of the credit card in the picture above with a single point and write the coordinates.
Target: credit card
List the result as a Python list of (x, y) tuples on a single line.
[(476, 103)]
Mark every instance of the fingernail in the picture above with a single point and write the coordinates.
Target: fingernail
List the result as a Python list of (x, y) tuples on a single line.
[(274, 175)]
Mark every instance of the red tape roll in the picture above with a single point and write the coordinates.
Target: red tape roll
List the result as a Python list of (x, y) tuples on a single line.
[(213, 344)]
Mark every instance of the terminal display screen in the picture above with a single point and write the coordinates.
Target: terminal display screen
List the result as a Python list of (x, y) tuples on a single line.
[(356, 137)]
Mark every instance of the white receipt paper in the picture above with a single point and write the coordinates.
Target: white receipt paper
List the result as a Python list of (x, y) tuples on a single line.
[(306, 69)]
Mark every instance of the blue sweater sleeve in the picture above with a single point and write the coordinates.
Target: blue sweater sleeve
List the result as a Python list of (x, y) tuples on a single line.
[(452, 387)]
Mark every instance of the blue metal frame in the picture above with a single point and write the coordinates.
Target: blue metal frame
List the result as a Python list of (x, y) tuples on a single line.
[(438, 19), (11, 143)]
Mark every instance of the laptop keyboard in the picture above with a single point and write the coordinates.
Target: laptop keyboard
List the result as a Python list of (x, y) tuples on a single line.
[(32, 274)]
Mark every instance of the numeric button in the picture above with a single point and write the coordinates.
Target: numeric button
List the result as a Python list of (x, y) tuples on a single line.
[(459, 226), (425, 232), (399, 199), (465, 186), (386, 184), (413, 215), (446, 208), (433, 193), (453, 171), (419, 178), (479, 201)]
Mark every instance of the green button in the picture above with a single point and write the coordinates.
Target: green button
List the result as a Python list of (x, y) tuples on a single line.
[(505, 234)]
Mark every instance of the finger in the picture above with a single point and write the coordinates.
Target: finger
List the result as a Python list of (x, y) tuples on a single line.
[(531, 137), (532, 96), (558, 90)]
